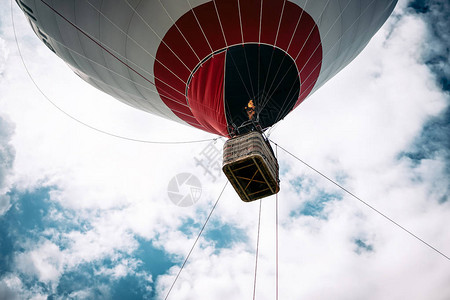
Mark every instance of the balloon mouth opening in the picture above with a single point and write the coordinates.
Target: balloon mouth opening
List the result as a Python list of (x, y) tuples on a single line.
[(258, 83)]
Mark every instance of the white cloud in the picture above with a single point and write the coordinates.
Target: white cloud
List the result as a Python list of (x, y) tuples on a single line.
[(354, 128), (5, 204), (223, 276), (12, 288), (9, 287), (3, 55), (358, 133), (45, 262), (7, 155), (125, 267)]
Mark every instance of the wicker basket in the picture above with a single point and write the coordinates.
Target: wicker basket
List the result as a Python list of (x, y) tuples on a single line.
[(250, 166)]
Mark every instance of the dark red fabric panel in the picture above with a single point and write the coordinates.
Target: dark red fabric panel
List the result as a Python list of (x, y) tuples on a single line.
[(307, 51), (178, 110), (176, 101), (168, 81), (250, 11), (309, 62), (229, 17), (310, 74), (178, 45), (271, 14), (206, 14), (291, 15), (305, 48), (205, 95), (192, 32), (167, 64)]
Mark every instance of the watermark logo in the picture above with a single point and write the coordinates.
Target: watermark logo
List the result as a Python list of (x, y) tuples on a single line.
[(184, 189), (210, 160)]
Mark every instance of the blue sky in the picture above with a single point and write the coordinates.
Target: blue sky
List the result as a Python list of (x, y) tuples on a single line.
[(87, 216)]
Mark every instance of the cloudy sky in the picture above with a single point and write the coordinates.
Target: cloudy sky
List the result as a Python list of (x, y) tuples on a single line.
[(85, 215)]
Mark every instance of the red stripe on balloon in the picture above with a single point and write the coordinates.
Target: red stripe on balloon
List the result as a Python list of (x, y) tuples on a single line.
[(207, 17), (271, 14), (206, 89), (206, 111), (193, 33), (229, 17), (250, 12)]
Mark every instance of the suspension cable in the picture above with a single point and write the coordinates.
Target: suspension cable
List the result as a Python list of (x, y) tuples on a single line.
[(257, 250), (196, 240), (365, 203), (239, 73), (276, 233), (81, 122)]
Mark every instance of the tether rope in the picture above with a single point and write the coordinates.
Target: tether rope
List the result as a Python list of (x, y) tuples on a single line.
[(79, 121), (276, 233), (196, 240), (257, 250), (365, 203)]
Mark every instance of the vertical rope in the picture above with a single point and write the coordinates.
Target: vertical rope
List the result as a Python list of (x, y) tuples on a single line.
[(257, 250), (240, 75), (240, 21), (276, 232), (196, 240), (257, 100), (260, 22)]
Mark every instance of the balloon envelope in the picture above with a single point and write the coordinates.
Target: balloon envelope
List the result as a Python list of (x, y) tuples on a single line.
[(201, 62)]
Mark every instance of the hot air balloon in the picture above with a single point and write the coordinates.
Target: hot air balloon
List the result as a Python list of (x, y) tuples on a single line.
[(228, 67)]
